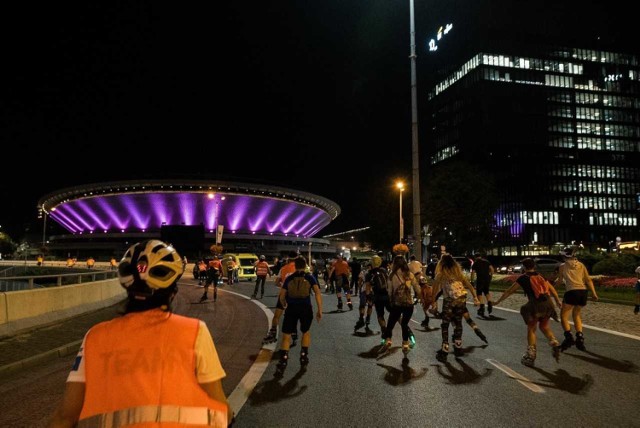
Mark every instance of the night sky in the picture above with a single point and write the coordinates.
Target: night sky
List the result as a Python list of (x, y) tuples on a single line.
[(313, 96)]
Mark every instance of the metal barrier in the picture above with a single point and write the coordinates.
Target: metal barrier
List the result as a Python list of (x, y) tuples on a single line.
[(54, 280)]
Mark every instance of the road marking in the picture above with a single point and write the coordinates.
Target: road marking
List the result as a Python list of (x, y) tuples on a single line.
[(515, 375), (245, 387), (604, 330)]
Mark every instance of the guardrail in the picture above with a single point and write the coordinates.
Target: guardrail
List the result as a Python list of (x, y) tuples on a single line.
[(15, 283)]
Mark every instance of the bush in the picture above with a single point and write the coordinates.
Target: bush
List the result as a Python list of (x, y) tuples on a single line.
[(614, 282), (611, 266)]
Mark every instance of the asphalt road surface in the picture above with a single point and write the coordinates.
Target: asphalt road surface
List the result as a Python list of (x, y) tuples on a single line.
[(349, 383)]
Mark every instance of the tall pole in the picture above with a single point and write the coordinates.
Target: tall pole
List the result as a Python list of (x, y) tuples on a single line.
[(401, 222), (417, 249), (44, 228)]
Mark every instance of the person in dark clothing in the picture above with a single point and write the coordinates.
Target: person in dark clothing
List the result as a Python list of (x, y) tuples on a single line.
[(356, 268), (482, 272)]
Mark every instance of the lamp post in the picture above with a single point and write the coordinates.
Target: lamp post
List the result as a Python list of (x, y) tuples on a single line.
[(415, 185), (400, 186)]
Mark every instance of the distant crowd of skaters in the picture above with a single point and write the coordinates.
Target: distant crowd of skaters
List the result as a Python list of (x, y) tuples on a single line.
[(394, 288)]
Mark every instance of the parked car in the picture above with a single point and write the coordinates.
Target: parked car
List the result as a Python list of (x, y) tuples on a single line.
[(548, 267)]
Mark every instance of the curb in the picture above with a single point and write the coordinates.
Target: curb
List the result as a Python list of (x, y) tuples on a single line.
[(62, 351)]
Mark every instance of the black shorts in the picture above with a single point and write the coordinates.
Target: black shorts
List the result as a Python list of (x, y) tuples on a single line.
[(575, 298), (295, 313), (279, 304), (482, 288)]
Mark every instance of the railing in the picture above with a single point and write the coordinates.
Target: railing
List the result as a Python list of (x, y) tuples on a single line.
[(15, 283), (7, 271)]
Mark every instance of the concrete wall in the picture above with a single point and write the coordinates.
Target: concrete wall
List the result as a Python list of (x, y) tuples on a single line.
[(23, 310)]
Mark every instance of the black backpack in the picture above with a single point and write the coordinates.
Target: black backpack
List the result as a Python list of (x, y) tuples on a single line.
[(379, 282)]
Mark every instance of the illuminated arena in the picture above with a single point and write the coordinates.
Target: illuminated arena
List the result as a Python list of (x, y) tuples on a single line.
[(102, 218)]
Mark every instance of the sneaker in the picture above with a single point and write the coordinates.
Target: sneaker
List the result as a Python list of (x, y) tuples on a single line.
[(425, 323), (568, 341), (480, 335), (359, 324), (490, 306), (203, 298), (580, 341)]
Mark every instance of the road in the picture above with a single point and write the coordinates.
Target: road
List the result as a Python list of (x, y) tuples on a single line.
[(347, 382)]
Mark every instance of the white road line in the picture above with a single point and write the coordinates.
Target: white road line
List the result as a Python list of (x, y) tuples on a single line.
[(604, 330), (517, 376), (243, 390)]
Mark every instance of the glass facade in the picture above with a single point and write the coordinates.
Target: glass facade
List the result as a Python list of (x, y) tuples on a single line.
[(575, 114)]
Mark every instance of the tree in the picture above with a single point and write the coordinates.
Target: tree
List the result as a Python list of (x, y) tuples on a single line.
[(460, 204), (7, 246)]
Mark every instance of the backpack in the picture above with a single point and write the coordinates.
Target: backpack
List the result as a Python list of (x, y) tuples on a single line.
[(298, 288), (402, 293), (540, 286), (454, 289), (379, 282)]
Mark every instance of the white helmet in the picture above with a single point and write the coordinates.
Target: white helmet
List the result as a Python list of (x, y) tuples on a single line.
[(151, 263)]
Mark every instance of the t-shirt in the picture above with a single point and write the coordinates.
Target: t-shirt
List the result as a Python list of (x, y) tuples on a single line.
[(208, 367), (574, 275), (482, 268)]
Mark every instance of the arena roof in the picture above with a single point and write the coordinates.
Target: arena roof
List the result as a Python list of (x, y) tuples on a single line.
[(147, 205)]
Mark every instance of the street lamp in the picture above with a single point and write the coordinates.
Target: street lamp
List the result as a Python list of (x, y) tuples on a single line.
[(400, 186), (417, 249)]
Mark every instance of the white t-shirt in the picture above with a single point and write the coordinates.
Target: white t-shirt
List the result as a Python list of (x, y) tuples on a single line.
[(208, 367)]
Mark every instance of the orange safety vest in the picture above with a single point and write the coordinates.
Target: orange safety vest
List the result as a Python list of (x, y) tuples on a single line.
[(262, 268), (140, 369)]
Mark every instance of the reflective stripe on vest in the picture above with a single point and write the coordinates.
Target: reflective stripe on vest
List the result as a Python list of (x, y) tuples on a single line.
[(160, 414)]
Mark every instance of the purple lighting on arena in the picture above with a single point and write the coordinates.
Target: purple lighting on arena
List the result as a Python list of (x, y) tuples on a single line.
[(149, 211)]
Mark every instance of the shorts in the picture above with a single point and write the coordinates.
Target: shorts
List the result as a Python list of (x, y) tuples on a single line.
[(482, 288), (295, 313), (536, 310), (638, 286), (342, 284), (575, 298)]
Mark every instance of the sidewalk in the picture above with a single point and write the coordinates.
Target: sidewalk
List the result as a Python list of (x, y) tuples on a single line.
[(609, 316), (57, 340), (29, 349)]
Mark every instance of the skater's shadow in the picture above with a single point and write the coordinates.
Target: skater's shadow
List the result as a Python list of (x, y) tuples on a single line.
[(371, 354), (491, 318), (471, 349), (563, 381), (624, 366), (406, 374), (428, 329), (366, 333), (272, 390), (336, 311), (459, 376), (388, 352)]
